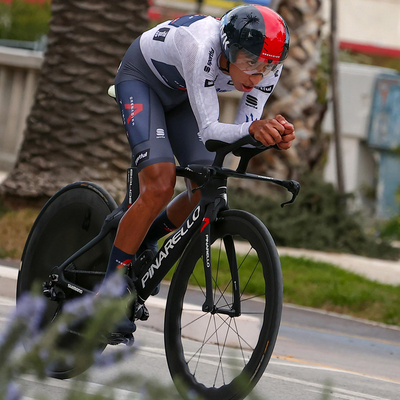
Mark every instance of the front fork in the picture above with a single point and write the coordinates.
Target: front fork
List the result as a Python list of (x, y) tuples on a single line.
[(210, 216)]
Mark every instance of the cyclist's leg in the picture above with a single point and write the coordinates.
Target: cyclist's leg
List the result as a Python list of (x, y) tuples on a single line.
[(144, 121), (156, 189), (188, 149)]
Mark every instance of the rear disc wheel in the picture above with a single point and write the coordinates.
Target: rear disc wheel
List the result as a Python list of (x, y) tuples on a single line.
[(69, 220)]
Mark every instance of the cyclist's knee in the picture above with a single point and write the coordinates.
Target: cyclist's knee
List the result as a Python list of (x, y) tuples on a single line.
[(157, 184)]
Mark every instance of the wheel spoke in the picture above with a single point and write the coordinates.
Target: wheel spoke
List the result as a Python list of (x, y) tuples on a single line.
[(254, 270), (201, 348), (195, 320), (237, 333)]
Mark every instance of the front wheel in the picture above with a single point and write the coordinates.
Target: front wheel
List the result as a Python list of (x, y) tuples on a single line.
[(227, 354)]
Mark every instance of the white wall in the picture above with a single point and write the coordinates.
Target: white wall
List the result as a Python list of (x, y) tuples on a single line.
[(368, 22), (357, 84), (19, 70)]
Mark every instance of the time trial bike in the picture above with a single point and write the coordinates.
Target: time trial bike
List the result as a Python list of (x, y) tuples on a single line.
[(232, 318)]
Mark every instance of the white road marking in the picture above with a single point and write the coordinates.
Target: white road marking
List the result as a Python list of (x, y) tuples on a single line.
[(8, 272), (89, 387)]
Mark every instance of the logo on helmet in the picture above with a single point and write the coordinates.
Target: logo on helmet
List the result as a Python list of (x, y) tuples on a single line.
[(224, 38)]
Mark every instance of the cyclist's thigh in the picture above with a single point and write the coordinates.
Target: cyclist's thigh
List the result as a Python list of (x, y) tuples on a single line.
[(144, 120), (183, 136)]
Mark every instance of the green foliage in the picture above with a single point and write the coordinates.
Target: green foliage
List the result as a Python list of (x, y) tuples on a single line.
[(23, 20), (322, 75), (371, 59), (317, 220), (3, 210), (14, 228), (391, 228), (321, 285)]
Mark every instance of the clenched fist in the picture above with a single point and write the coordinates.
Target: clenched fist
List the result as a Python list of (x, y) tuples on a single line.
[(273, 131)]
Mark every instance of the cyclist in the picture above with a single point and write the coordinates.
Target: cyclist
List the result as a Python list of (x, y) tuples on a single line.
[(166, 88)]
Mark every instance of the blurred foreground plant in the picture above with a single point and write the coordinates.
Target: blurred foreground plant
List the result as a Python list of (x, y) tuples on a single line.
[(98, 313), (41, 347)]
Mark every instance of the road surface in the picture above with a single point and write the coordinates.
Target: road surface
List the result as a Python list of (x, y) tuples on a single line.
[(316, 352)]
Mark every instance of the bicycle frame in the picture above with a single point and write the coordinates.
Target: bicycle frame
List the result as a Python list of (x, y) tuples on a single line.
[(201, 219), (212, 181)]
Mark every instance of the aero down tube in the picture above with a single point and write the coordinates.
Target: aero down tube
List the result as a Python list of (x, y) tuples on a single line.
[(168, 255)]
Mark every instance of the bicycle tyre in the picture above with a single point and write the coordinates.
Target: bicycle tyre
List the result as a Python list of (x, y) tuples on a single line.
[(201, 367), (69, 220)]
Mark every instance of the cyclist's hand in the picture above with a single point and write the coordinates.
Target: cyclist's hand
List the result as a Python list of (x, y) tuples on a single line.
[(273, 131), (289, 134)]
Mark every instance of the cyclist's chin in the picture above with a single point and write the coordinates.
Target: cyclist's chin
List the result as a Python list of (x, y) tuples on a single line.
[(243, 88)]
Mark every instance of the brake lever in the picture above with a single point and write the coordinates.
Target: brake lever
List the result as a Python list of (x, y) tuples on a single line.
[(293, 187)]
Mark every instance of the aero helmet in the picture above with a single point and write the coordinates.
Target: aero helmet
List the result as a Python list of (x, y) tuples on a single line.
[(258, 31)]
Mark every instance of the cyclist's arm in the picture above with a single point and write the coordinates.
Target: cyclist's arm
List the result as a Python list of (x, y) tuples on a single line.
[(202, 92), (252, 104), (269, 131)]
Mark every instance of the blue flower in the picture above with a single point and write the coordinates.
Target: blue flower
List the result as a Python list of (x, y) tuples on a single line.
[(12, 392)]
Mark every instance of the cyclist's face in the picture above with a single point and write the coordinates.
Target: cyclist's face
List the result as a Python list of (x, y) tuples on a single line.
[(252, 66), (242, 81)]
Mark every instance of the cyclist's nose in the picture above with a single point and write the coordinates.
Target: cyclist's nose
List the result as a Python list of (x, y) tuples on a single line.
[(255, 79)]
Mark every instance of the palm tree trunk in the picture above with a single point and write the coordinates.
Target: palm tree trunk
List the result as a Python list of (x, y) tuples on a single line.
[(74, 131), (296, 95)]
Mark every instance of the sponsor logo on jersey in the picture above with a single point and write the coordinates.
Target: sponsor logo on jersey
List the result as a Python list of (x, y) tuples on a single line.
[(142, 156), (209, 83), (230, 82), (250, 118), (266, 89), (209, 62), (161, 34), (251, 101)]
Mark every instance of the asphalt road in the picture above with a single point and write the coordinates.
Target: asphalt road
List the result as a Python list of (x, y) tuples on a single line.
[(316, 353)]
